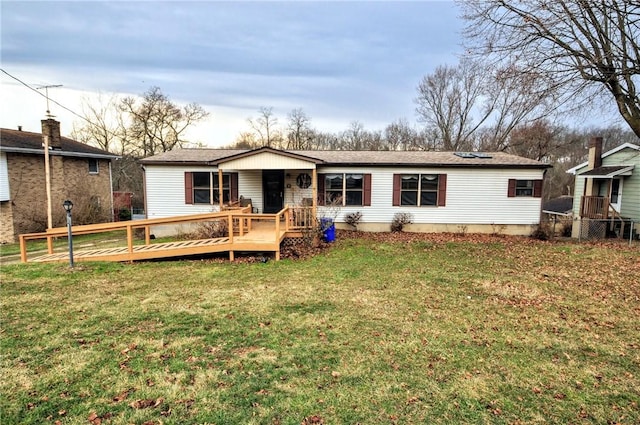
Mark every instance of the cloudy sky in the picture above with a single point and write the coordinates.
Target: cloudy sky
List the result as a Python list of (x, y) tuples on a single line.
[(338, 61)]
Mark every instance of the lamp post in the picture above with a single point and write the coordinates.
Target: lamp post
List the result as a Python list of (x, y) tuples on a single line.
[(68, 206)]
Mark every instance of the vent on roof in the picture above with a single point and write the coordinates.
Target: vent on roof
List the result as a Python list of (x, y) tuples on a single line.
[(471, 155)]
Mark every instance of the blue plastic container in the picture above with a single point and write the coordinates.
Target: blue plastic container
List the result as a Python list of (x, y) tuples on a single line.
[(328, 229)]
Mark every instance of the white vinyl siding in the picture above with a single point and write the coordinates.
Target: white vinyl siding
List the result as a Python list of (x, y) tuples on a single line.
[(474, 196), (5, 194)]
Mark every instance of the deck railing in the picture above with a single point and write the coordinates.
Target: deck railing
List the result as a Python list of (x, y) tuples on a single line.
[(301, 217), (594, 207), (240, 222), (240, 219)]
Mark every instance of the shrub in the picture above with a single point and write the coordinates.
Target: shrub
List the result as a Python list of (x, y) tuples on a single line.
[(400, 220), (353, 219), (210, 230), (124, 214), (540, 233)]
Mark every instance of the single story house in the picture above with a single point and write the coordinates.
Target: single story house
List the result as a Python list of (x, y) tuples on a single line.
[(443, 191), (77, 171), (607, 190)]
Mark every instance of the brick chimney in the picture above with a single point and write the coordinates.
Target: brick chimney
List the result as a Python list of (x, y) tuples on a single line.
[(51, 128), (595, 152)]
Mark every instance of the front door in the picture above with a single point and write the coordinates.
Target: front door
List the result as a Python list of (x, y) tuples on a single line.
[(616, 194), (273, 190)]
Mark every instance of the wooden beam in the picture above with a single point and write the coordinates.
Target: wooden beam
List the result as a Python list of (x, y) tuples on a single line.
[(220, 189)]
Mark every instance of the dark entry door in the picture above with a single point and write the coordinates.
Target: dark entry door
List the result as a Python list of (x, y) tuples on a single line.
[(273, 190)]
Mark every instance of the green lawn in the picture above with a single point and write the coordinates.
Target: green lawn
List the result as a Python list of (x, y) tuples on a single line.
[(432, 330)]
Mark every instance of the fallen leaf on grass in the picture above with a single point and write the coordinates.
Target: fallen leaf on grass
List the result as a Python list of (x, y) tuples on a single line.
[(94, 419), (412, 400), (145, 403), (313, 419), (123, 395)]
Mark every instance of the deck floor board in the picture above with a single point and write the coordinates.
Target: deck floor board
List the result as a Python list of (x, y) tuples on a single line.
[(261, 239)]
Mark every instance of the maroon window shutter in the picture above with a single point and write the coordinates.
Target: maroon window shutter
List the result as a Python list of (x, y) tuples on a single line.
[(366, 196), (233, 190), (537, 188), (397, 182), (512, 188), (442, 190), (320, 178), (188, 187)]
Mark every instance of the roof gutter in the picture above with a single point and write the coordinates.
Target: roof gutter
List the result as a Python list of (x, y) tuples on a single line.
[(59, 153)]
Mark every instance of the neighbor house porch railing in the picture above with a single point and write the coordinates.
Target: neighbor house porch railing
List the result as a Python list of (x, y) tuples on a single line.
[(594, 207)]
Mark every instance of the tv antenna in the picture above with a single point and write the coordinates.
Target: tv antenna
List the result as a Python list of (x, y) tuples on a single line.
[(46, 95)]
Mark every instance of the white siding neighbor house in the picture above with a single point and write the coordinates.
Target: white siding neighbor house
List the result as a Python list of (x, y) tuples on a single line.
[(443, 191)]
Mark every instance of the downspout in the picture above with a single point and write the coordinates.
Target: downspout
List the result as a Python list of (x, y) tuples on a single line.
[(144, 190), (111, 191)]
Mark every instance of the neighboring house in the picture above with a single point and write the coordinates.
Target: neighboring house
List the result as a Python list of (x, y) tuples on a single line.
[(443, 191), (78, 172), (607, 190)]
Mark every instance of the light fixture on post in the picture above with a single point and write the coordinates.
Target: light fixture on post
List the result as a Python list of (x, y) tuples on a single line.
[(68, 206)]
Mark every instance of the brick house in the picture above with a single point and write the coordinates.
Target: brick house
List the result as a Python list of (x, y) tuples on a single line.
[(78, 172)]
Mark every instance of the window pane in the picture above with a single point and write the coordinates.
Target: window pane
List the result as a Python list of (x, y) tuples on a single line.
[(524, 187), (354, 181), (428, 198), (93, 166), (201, 196), (410, 182), (333, 181), (226, 178), (201, 179), (409, 198), (429, 182), (354, 198), (334, 197)]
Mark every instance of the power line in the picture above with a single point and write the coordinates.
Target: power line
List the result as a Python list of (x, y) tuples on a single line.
[(45, 96), (58, 103)]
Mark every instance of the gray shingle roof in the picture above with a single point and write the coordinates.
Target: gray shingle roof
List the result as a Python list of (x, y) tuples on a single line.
[(355, 158), (18, 140)]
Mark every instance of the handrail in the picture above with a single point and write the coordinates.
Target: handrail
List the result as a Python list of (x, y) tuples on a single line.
[(129, 226)]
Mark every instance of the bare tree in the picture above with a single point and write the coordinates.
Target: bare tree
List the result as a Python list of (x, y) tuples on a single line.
[(157, 124), (103, 125), (399, 135), (446, 101), (580, 47), (299, 130), (460, 103), (354, 138), (265, 127)]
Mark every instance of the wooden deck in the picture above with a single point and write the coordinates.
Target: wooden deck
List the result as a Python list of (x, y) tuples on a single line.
[(248, 233)]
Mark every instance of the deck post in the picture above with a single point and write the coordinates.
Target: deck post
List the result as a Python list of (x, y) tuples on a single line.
[(130, 239), (23, 249), (230, 225), (221, 189), (147, 235), (231, 256), (50, 244), (314, 193)]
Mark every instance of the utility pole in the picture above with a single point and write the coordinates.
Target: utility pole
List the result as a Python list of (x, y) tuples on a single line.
[(47, 169)]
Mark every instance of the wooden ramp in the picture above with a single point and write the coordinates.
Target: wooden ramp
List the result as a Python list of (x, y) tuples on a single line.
[(143, 252), (248, 233)]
